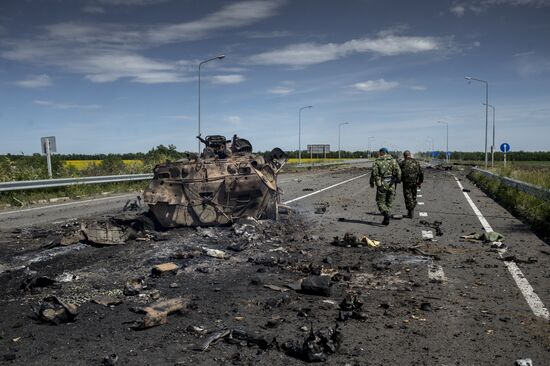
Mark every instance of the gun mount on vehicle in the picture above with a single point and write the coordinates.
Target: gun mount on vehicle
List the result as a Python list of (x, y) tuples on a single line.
[(227, 182)]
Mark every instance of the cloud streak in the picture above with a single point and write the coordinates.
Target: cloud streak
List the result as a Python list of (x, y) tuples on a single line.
[(108, 52), (376, 85), (228, 79), (460, 8), (305, 54), (48, 103), (281, 90), (33, 82)]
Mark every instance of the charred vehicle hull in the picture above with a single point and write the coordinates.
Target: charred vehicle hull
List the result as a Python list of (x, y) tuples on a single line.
[(228, 183)]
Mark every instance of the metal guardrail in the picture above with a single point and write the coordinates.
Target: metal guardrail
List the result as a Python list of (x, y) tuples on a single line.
[(62, 182), (53, 183), (534, 190)]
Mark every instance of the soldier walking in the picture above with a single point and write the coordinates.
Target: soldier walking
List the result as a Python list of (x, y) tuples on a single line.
[(412, 177), (385, 175)]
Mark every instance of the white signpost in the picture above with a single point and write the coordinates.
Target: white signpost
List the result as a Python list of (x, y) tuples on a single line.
[(48, 147)]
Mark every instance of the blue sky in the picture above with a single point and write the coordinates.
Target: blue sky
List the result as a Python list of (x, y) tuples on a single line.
[(121, 75)]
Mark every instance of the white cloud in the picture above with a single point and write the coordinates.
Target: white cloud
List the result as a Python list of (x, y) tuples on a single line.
[(376, 85), (417, 87), (458, 10), (92, 9), (38, 81), (131, 2), (234, 120), (478, 6), (305, 54), (104, 52), (530, 64), (280, 90), (48, 103), (228, 79), (231, 16), (262, 35)]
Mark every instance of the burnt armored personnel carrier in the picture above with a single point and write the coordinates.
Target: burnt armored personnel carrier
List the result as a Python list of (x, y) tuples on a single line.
[(227, 182)]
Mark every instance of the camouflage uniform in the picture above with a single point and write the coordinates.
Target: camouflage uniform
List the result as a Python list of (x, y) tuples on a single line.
[(412, 177), (385, 173)]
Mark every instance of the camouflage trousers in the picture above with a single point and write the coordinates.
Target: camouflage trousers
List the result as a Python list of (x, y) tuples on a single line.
[(385, 194), (409, 193)]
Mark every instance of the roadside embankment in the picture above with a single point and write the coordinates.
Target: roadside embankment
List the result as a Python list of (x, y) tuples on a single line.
[(530, 209)]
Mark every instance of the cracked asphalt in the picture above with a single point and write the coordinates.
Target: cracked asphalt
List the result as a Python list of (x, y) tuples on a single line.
[(446, 301)]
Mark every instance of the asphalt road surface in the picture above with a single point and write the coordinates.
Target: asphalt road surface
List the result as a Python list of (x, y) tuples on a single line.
[(440, 301)]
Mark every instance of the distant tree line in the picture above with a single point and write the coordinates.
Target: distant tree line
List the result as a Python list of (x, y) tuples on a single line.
[(480, 155), (31, 167)]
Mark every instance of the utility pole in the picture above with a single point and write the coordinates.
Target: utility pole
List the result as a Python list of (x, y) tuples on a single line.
[(339, 133), (300, 132), (493, 145)]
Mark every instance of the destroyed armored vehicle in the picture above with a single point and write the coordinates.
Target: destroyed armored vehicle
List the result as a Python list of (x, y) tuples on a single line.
[(226, 183)]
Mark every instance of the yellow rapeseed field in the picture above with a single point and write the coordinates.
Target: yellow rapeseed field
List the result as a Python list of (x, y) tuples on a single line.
[(84, 164), (316, 160)]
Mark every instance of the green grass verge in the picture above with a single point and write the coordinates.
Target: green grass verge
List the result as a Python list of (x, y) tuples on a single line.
[(531, 210), (23, 198)]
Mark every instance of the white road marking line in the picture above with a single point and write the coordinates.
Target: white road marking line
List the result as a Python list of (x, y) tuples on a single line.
[(324, 189), (533, 300), (67, 204), (420, 203), (423, 214), (419, 190), (478, 213), (427, 234), (418, 196), (436, 274)]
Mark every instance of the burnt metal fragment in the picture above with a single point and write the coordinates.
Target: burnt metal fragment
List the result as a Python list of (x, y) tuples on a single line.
[(53, 310), (316, 285), (350, 308), (317, 346), (157, 313)]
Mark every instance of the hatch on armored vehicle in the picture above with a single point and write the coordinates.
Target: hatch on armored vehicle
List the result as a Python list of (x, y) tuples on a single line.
[(227, 182)]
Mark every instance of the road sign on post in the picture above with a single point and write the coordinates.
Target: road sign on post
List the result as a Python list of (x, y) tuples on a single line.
[(505, 148), (48, 146), (318, 149)]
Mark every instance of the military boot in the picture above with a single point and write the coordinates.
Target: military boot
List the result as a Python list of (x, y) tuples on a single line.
[(386, 220), (410, 214)]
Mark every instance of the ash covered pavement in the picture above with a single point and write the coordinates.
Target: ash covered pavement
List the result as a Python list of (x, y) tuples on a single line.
[(286, 292)]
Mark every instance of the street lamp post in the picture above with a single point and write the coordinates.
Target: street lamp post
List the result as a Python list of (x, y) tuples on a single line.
[(469, 78), (300, 132), (430, 141), (339, 133), (369, 154), (447, 148), (219, 57), (493, 145)]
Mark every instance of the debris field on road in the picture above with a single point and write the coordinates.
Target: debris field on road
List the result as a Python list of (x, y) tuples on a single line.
[(322, 284)]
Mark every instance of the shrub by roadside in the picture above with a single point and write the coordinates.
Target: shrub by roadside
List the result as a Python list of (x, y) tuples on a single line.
[(531, 210)]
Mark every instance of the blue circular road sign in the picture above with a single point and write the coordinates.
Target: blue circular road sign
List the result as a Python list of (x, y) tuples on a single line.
[(505, 147)]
